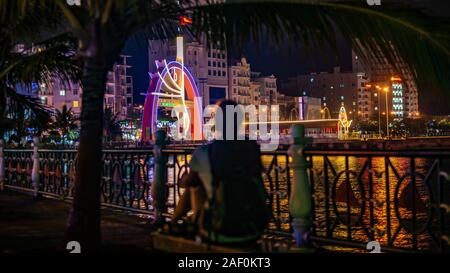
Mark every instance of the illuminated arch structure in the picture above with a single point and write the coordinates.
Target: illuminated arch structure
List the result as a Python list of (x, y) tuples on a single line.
[(175, 83)]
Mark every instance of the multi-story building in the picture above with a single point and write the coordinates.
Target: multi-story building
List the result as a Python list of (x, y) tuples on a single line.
[(309, 108), (335, 89), (239, 82), (55, 92), (119, 89), (208, 65), (380, 73), (118, 93), (255, 93), (269, 93), (288, 107), (59, 93)]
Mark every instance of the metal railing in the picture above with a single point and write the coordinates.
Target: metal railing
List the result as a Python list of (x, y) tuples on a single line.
[(398, 198), (125, 184)]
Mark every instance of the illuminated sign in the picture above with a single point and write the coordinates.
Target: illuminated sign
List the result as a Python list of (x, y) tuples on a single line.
[(173, 86), (397, 99)]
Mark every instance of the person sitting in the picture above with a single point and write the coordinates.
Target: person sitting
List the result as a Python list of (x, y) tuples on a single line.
[(225, 190)]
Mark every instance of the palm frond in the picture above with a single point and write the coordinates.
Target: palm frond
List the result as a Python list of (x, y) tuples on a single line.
[(421, 40), (33, 104), (53, 57)]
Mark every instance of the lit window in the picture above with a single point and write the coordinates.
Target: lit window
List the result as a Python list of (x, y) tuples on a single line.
[(75, 104), (342, 97), (62, 92)]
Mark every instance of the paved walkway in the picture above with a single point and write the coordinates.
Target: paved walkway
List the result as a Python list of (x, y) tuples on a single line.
[(28, 225)]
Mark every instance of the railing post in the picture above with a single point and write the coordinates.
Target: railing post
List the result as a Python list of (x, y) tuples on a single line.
[(159, 185), (300, 199), (35, 172), (2, 167)]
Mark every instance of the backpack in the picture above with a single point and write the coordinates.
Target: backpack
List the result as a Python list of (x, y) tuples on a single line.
[(238, 210)]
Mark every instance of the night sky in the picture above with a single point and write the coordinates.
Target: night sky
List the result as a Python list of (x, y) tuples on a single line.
[(284, 61)]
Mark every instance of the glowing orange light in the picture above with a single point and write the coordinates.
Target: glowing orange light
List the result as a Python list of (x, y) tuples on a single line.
[(393, 78), (386, 89), (185, 20), (368, 85)]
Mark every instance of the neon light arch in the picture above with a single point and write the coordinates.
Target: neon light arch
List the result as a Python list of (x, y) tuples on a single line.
[(173, 80)]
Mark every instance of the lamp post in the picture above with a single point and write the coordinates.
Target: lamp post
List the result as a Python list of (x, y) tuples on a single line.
[(378, 88), (386, 90)]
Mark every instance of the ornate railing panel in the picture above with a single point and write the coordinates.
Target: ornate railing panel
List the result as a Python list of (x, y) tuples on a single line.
[(18, 167), (400, 199), (276, 176), (394, 198), (126, 175)]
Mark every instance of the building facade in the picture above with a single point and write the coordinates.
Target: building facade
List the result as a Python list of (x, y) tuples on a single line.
[(59, 93), (119, 89), (309, 108), (381, 73), (335, 89), (118, 92), (239, 82), (268, 89)]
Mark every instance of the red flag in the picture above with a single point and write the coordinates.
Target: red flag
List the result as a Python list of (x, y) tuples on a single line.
[(185, 20)]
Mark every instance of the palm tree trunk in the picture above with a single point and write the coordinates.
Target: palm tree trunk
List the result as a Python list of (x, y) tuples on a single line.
[(84, 217)]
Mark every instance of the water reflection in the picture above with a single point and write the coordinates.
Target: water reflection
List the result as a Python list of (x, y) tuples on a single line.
[(347, 206), (381, 210)]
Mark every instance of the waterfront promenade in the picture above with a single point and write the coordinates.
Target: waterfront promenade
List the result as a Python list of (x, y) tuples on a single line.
[(37, 225), (352, 195)]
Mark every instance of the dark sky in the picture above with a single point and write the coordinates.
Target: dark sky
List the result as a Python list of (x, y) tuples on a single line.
[(282, 61), (139, 70)]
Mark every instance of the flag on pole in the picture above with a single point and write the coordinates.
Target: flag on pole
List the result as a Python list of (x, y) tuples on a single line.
[(185, 20)]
